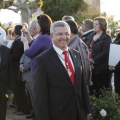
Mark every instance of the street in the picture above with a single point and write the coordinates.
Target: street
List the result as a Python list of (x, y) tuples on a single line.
[(12, 116)]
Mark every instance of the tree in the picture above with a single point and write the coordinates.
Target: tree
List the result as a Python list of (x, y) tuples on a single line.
[(112, 24), (27, 7), (58, 8), (88, 13)]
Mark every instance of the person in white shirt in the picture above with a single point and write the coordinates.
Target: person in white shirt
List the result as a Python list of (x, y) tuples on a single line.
[(2, 35)]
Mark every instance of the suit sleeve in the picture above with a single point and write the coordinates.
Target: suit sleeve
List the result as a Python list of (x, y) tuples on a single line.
[(10, 72), (40, 91), (17, 50), (85, 95)]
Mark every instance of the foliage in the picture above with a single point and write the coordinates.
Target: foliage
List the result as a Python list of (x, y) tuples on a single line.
[(112, 24), (109, 102), (87, 13), (6, 3), (58, 8)]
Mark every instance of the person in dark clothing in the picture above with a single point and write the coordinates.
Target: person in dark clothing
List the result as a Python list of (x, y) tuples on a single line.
[(99, 44), (60, 91), (6, 79), (77, 44), (87, 28), (17, 49), (116, 69)]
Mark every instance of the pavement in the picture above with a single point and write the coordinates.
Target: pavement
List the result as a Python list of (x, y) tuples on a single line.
[(12, 116)]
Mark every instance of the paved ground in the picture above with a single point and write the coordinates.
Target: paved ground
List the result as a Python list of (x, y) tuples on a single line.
[(12, 116)]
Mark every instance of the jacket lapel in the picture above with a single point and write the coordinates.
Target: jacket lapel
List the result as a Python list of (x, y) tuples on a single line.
[(74, 59), (57, 62)]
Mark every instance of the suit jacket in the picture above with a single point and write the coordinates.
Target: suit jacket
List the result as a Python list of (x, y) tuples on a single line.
[(27, 75), (17, 49), (117, 41), (100, 53), (77, 44), (86, 37), (55, 98), (6, 73)]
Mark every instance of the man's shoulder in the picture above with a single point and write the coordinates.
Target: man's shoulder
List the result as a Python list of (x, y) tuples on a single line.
[(5, 49), (74, 51), (45, 54)]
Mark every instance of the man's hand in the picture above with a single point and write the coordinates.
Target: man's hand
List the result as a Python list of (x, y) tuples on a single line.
[(91, 61), (26, 31), (23, 39), (22, 69)]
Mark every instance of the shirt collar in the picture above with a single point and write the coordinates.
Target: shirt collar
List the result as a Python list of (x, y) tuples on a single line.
[(58, 50), (35, 36)]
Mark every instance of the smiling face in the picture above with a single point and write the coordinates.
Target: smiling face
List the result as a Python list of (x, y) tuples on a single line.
[(61, 37)]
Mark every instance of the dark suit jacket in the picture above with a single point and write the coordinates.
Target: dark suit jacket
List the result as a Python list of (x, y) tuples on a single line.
[(117, 41), (100, 53), (6, 75), (86, 37), (17, 49), (55, 98)]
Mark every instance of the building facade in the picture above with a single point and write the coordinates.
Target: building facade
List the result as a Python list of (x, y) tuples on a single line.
[(95, 4)]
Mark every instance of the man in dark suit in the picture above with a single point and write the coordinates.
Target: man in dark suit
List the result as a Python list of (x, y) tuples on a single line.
[(17, 49), (60, 91), (6, 77), (87, 28)]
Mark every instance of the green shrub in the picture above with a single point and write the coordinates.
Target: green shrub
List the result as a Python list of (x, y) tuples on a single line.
[(108, 104)]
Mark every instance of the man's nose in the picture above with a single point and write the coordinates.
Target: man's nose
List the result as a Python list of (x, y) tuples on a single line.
[(64, 36)]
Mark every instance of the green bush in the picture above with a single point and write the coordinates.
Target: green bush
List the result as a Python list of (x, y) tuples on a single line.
[(107, 107)]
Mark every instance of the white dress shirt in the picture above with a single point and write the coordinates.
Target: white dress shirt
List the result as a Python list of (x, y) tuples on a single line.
[(2, 35), (61, 56)]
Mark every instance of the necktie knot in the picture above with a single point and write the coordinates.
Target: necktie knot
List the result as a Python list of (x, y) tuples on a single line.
[(65, 52)]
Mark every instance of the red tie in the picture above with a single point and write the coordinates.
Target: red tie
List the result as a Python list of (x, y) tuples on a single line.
[(69, 66)]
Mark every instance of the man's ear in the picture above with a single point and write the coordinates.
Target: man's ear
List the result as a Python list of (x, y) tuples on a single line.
[(51, 36)]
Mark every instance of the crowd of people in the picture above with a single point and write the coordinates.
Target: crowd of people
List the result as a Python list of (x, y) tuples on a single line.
[(53, 67)]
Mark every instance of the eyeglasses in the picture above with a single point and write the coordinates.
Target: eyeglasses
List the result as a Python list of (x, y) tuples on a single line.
[(61, 34)]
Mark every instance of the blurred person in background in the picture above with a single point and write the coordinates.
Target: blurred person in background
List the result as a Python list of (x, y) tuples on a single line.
[(30, 34), (77, 44), (24, 25), (10, 26), (67, 17), (2, 35), (10, 37), (87, 27), (6, 79), (108, 32), (100, 44), (17, 50), (42, 42), (116, 69)]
